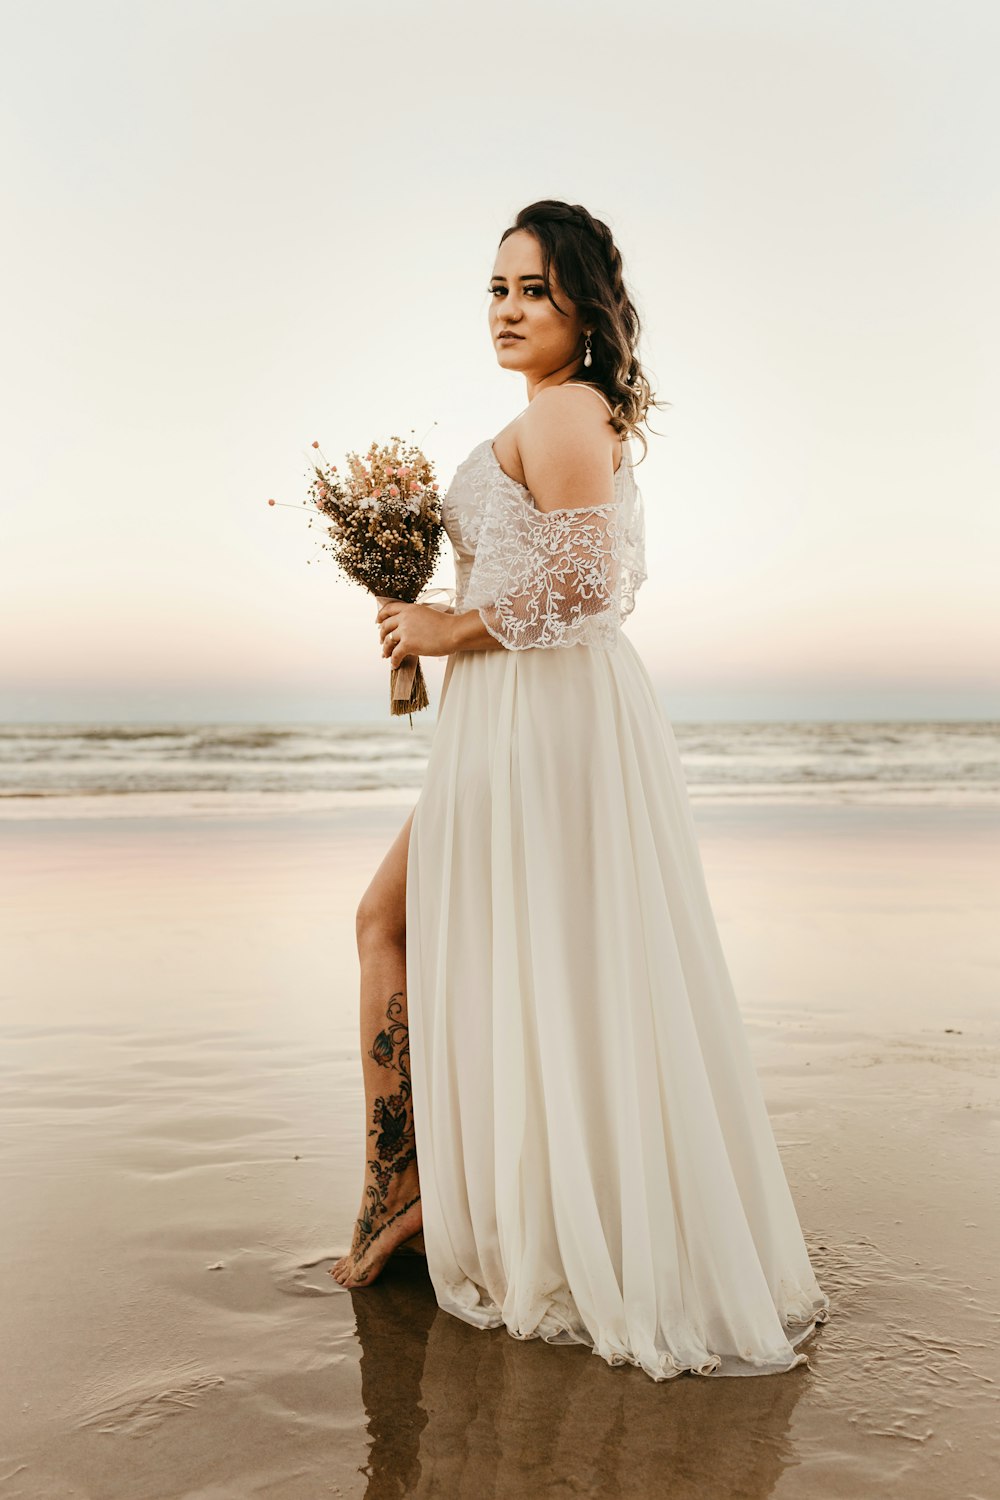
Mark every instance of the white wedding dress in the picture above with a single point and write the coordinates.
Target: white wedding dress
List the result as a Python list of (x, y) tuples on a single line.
[(596, 1160)]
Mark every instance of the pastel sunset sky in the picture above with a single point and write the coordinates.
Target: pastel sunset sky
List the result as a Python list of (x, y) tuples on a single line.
[(235, 226)]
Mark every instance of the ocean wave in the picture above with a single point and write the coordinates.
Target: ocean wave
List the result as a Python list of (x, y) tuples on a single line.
[(951, 762)]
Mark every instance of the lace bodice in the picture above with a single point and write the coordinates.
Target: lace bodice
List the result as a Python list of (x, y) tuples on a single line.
[(562, 577)]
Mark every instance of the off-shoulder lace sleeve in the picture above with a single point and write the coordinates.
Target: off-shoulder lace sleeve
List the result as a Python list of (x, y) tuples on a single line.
[(561, 577)]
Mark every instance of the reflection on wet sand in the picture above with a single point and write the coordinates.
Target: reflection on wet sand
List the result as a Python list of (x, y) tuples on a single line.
[(456, 1411)]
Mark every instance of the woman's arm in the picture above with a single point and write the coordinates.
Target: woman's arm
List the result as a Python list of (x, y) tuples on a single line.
[(470, 634)]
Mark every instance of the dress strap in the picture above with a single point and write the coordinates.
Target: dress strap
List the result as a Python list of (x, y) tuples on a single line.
[(593, 388)]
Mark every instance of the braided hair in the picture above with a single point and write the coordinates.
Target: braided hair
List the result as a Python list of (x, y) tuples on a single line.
[(589, 268)]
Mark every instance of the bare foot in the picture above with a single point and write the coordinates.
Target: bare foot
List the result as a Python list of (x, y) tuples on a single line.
[(396, 1219)]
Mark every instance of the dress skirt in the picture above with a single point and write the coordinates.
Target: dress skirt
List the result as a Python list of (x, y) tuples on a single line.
[(597, 1164)]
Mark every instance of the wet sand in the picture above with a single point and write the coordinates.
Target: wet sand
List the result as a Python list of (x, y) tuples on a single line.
[(181, 1157)]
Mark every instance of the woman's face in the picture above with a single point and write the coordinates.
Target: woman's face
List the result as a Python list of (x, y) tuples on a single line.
[(549, 342)]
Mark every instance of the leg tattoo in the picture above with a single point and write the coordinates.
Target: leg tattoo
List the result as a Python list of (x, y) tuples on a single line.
[(395, 1145)]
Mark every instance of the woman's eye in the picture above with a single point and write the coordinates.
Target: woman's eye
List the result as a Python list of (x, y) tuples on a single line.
[(536, 289)]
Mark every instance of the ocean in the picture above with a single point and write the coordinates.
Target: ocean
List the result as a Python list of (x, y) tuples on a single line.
[(100, 770)]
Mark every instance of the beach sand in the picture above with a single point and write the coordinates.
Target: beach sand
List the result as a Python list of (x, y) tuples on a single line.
[(182, 1147)]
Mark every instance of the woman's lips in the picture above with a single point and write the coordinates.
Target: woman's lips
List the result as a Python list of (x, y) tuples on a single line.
[(509, 338)]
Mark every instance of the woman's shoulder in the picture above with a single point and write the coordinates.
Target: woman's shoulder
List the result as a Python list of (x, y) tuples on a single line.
[(564, 441), (567, 397), (568, 414)]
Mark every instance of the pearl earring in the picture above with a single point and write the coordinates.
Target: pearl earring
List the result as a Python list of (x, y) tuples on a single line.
[(587, 360)]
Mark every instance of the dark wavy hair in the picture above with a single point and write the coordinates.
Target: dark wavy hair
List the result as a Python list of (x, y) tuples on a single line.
[(589, 269)]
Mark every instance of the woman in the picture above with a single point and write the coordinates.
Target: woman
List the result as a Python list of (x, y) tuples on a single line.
[(596, 1163)]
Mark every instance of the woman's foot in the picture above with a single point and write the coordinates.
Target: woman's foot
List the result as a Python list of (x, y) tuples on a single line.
[(386, 1222)]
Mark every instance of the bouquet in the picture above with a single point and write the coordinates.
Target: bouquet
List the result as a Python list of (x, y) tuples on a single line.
[(383, 518)]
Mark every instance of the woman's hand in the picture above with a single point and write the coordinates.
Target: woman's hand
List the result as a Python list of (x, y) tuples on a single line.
[(414, 630)]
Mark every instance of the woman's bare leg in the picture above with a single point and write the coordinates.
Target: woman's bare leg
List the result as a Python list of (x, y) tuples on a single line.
[(390, 1202)]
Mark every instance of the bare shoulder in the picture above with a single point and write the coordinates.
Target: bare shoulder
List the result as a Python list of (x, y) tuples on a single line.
[(568, 449)]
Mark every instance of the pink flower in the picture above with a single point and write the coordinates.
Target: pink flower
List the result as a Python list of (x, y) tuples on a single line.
[(315, 444)]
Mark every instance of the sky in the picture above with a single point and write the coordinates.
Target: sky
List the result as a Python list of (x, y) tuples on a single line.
[(236, 226)]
